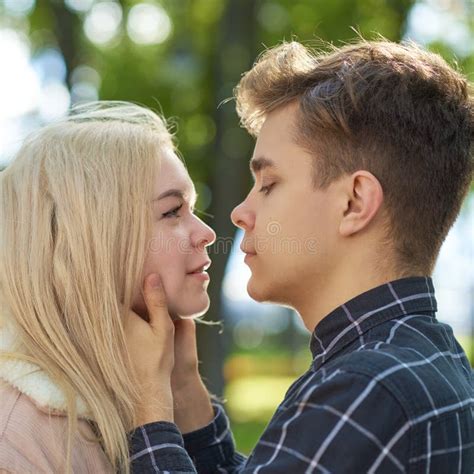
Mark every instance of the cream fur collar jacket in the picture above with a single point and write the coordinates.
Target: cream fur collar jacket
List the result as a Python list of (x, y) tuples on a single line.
[(31, 380), (31, 438)]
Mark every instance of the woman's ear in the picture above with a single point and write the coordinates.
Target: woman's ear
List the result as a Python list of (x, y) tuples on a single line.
[(364, 197)]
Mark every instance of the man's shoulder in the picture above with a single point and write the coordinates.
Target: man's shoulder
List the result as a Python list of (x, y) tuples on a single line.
[(420, 382)]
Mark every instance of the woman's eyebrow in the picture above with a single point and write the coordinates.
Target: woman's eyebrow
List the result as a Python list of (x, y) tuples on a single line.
[(170, 193), (178, 193)]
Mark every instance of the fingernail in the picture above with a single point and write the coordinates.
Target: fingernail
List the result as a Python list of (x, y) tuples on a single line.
[(154, 280)]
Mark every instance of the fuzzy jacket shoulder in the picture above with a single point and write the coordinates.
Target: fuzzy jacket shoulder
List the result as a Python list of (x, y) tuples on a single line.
[(31, 380)]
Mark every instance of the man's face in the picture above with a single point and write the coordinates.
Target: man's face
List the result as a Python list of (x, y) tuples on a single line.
[(178, 244), (291, 228)]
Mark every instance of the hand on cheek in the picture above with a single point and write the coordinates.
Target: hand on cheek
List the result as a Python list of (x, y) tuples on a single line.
[(150, 346)]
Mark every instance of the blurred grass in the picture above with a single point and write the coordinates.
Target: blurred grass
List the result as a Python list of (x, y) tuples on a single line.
[(256, 384), (251, 402), (467, 344), (247, 434), (255, 398)]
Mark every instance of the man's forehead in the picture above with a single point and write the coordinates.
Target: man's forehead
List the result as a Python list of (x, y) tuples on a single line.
[(283, 117), (277, 130)]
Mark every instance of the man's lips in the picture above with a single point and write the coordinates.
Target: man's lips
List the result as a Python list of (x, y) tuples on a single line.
[(247, 250), (249, 256), (249, 253)]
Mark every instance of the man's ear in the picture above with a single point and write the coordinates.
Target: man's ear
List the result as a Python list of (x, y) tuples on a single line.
[(363, 199)]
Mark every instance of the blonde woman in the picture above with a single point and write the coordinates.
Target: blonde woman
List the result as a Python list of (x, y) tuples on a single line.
[(89, 207)]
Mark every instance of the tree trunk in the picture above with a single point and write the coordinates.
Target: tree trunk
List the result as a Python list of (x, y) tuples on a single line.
[(66, 26), (234, 54)]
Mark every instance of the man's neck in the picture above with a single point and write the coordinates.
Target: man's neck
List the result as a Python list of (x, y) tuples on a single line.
[(336, 291)]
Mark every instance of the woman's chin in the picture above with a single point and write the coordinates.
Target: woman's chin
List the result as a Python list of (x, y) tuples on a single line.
[(190, 310)]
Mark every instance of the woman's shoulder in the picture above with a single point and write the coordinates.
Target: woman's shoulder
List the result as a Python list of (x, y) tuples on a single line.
[(33, 438), (23, 433), (21, 414)]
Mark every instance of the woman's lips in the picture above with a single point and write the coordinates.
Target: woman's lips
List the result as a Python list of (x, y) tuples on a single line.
[(199, 272), (201, 268), (204, 276)]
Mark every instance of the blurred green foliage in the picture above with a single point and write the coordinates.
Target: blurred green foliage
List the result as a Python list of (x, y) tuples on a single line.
[(181, 75), (247, 434), (189, 76)]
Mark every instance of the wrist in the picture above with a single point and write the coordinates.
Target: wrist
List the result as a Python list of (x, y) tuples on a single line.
[(154, 416), (192, 407), (192, 397), (183, 382), (155, 404)]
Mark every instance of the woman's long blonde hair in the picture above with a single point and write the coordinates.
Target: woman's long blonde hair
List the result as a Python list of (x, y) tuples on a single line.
[(75, 220)]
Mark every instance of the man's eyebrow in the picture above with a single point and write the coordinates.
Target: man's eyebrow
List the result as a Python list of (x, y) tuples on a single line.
[(258, 164)]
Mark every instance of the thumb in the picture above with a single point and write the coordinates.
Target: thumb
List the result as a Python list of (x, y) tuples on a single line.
[(155, 298)]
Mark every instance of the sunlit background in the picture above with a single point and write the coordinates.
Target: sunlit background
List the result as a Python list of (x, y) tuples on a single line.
[(184, 57)]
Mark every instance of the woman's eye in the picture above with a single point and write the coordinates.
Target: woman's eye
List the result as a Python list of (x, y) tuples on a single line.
[(173, 212), (266, 189)]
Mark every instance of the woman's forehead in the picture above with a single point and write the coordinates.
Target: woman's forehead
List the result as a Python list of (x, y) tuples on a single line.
[(172, 173)]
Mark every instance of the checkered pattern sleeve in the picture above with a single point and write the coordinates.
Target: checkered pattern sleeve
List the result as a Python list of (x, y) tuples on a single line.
[(212, 448), (159, 447)]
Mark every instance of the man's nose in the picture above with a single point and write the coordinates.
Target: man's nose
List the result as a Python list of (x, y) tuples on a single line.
[(242, 216)]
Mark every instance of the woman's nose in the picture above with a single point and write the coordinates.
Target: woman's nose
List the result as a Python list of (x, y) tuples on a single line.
[(206, 235)]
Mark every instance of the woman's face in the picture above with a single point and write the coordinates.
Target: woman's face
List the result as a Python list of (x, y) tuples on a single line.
[(177, 250)]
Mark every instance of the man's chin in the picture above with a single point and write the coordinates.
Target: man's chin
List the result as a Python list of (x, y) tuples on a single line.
[(256, 292), (269, 293)]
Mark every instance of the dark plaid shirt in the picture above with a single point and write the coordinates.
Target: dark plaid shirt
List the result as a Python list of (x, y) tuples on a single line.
[(389, 390)]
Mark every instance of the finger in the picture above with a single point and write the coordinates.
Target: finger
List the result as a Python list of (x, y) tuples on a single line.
[(155, 298)]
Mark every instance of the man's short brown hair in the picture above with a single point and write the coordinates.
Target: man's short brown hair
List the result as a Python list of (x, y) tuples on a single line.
[(395, 110)]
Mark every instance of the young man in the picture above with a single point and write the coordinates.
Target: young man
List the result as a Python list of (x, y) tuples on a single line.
[(362, 160)]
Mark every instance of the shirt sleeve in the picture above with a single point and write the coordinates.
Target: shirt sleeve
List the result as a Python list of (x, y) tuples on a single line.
[(212, 448), (160, 447)]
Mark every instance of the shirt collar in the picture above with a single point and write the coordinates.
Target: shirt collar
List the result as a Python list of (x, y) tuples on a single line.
[(360, 314)]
